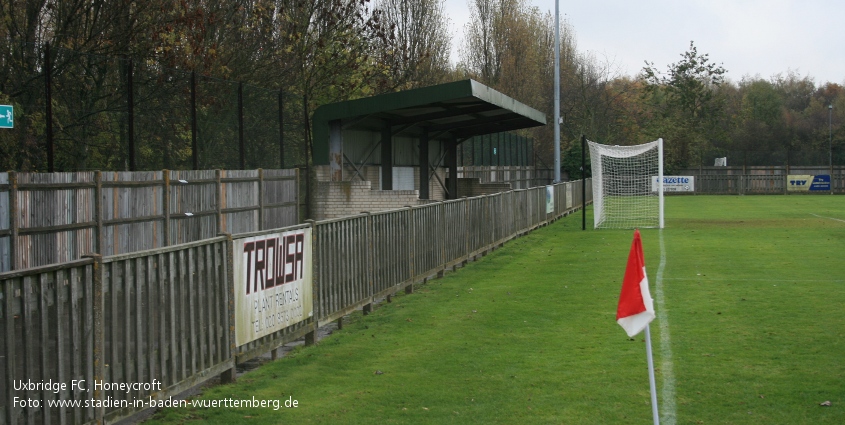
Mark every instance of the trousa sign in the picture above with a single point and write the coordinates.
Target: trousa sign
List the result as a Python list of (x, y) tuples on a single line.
[(272, 283)]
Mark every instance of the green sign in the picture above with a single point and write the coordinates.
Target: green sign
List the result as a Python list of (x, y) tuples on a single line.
[(7, 116)]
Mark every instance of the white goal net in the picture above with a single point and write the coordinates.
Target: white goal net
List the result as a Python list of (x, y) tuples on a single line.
[(627, 185)]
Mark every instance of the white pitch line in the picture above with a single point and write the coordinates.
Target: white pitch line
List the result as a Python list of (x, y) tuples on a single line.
[(705, 278), (829, 218), (668, 390)]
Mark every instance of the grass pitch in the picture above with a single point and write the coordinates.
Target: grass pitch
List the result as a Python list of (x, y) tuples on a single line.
[(751, 299)]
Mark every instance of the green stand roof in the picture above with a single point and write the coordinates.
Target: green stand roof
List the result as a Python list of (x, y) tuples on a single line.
[(454, 111)]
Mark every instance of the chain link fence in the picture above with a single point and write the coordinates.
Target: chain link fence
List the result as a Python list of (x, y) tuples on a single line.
[(79, 111)]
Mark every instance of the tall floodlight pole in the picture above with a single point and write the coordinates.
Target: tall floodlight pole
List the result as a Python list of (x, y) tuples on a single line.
[(557, 92)]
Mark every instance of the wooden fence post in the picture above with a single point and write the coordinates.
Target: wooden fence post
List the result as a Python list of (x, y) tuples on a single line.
[(230, 375), (99, 333), (409, 289), (441, 220), (220, 200), (261, 201), (311, 337), (13, 220), (165, 206), (368, 235), (467, 231), (98, 213)]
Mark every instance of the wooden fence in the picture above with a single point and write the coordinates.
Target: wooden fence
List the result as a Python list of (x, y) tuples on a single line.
[(748, 184), (166, 315), (48, 218)]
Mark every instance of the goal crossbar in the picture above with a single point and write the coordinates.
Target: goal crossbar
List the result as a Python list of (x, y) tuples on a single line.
[(627, 185)]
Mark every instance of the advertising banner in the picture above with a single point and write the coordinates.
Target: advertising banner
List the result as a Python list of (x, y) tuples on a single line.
[(674, 184), (807, 183), (272, 283)]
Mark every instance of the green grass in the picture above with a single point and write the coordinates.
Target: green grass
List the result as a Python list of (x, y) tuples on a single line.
[(754, 302)]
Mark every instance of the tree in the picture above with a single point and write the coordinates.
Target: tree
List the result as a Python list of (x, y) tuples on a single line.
[(688, 105), (416, 50)]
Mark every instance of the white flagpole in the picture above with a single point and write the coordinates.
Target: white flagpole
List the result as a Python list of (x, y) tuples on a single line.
[(651, 377)]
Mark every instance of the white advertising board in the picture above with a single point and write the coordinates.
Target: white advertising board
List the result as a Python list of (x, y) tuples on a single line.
[(272, 283), (674, 184)]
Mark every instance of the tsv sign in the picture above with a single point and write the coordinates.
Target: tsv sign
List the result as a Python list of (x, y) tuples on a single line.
[(674, 183)]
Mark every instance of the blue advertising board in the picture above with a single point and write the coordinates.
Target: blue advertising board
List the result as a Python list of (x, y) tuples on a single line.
[(808, 183)]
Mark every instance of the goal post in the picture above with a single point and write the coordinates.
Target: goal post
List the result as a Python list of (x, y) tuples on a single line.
[(627, 185)]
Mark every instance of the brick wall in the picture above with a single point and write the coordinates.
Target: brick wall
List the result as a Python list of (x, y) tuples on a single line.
[(341, 199), (370, 173), (473, 187)]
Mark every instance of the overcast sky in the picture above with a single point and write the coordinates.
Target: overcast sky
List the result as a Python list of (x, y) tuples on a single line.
[(748, 37)]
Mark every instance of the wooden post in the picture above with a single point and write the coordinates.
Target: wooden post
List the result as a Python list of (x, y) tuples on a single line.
[(261, 200), (13, 220), (98, 214), (311, 337), (368, 235), (98, 274), (220, 200), (229, 375), (467, 231), (441, 219), (409, 289), (165, 206)]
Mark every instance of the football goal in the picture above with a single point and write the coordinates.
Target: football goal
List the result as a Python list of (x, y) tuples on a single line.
[(627, 185)]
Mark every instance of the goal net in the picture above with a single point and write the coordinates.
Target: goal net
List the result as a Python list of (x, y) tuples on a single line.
[(627, 185)]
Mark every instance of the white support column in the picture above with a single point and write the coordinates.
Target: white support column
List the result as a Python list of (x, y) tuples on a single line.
[(660, 178)]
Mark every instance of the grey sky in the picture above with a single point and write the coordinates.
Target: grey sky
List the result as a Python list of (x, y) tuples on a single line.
[(749, 37)]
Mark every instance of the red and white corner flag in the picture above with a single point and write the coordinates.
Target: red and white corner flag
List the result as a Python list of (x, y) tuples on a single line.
[(636, 309)]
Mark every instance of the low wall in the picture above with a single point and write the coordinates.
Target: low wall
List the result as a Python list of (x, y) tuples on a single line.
[(342, 199), (474, 187)]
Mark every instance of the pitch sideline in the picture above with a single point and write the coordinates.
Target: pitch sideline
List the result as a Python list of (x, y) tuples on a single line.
[(829, 218), (668, 391)]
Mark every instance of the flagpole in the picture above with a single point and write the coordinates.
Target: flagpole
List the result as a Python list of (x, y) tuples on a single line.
[(651, 377)]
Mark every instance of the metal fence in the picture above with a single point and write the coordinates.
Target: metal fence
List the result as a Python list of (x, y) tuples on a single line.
[(48, 218), (166, 315), (80, 111)]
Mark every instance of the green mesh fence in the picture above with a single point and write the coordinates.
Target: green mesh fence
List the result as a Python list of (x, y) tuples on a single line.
[(115, 114)]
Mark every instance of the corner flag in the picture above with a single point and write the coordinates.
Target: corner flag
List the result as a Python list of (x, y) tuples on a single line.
[(636, 309)]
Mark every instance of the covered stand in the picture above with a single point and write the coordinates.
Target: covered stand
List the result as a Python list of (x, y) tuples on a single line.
[(413, 128)]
